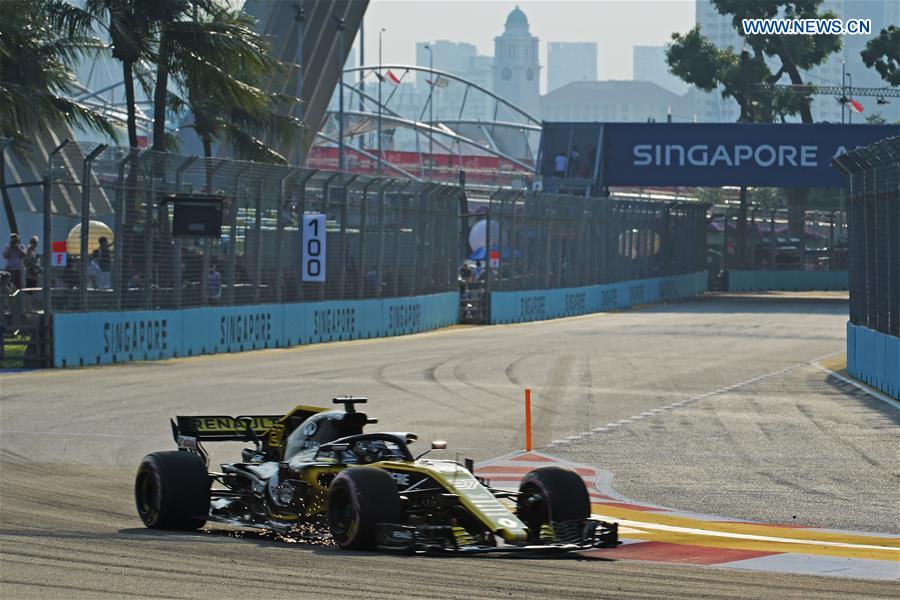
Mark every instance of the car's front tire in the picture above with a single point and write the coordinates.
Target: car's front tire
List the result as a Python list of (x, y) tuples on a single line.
[(358, 500), (551, 495), (171, 491)]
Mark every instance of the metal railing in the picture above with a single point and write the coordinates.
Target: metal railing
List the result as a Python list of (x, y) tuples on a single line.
[(873, 175), (384, 237)]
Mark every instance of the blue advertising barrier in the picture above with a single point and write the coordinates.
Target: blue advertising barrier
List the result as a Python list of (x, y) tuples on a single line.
[(787, 281), (874, 358), (111, 337), (537, 305)]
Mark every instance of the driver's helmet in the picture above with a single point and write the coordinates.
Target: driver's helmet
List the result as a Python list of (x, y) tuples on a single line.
[(319, 429), (369, 451)]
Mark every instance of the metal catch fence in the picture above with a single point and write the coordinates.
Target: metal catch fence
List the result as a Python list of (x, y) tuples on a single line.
[(873, 176), (769, 244), (546, 241), (109, 232)]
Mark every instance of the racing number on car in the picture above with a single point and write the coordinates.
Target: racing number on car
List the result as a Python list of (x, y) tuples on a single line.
[(313, 263)]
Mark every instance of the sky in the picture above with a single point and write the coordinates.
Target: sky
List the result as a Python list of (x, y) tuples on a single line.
[(616, 26)]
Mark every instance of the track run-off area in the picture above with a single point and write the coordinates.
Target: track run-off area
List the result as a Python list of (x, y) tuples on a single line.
[(737, 464)]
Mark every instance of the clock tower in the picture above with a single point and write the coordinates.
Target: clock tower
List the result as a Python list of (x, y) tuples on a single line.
[(516, 66)]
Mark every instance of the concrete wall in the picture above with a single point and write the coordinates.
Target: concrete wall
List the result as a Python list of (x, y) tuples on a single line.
[(536, 305), (771, 281), (874, 358), (108, 337)]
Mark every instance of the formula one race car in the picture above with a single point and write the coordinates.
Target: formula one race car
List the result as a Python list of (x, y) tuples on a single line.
[(315, 466)]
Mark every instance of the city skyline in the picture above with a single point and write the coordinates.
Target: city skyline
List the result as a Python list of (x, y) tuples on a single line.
[(410, 21)]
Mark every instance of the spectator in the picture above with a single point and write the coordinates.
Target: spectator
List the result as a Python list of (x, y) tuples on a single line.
[(96, 276), (575, 161), (134, 282), (465, 277), (214, 284), (105, 255), (560, 164), (6, 285), (32, 263), (14, 253)]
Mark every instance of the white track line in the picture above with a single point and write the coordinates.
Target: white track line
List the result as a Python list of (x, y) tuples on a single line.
[(874, 393), (722, 390)]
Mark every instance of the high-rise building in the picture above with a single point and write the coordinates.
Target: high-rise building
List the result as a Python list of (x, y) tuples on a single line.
[(650, 65), (517, 68), (570, 61)]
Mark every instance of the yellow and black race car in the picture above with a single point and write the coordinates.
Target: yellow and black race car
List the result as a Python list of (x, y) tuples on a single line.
[(316, 466)]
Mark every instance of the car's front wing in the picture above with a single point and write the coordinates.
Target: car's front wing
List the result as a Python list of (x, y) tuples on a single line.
[(567, 536)]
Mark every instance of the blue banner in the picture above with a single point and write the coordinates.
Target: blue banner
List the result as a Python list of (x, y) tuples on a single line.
[(705, 154), (715, 154)]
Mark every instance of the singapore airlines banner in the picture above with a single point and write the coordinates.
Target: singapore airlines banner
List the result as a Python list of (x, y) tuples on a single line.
[(716, 154), (732, 154)]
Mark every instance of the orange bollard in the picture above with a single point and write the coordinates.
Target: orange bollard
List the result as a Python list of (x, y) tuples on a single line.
[(528, 419)]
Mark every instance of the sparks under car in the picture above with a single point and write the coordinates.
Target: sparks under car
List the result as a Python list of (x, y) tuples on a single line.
[(316, 466)]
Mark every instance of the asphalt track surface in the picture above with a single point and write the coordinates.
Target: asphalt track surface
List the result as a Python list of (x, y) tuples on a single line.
[(793, 443)]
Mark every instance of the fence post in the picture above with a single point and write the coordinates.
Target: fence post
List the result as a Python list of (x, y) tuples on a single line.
[(85, 222), (232, 234), (397, 223), (379, 253), (279, 237), (343, 233), (176, 266), (363, 226), (487, 249), (46, 281)]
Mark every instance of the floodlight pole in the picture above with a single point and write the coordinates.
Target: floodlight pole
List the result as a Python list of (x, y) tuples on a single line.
[(380, 80), (339, 23), (850, 91), (430, 113), (300, 18), (843, 89)]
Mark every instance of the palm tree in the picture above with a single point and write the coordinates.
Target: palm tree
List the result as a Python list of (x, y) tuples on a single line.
[(131, 26), (37, 61), (36, 74), (222, 65)]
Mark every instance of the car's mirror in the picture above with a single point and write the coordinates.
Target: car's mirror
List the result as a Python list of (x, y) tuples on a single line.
[(438, 445)]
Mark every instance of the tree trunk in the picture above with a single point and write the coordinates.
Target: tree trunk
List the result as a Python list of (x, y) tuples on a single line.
[(740, 249), (7, 201), (797, 196), (160, 94), (207, 154), (128, 78)]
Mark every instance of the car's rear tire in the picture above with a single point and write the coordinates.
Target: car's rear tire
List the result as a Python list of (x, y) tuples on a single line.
[(359, 499), (551, 495), (171, 491)]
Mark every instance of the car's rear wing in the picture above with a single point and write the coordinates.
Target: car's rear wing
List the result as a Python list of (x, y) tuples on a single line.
[(222, 428)]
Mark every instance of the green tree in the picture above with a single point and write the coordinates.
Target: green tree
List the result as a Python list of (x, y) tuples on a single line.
[(129, 25), (882, 53), (36, 76), (37, 62), (696, 60), (221, 66)]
